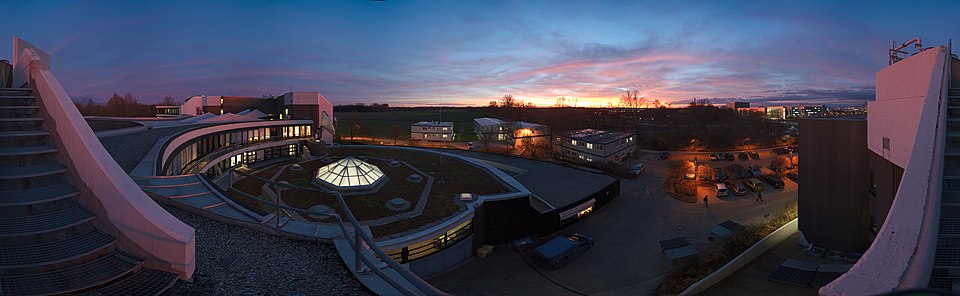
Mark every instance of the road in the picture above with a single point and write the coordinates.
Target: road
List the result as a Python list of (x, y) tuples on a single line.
[(626, 258)]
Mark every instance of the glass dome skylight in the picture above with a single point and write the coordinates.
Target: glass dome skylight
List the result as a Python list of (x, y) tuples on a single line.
[(350, 172)]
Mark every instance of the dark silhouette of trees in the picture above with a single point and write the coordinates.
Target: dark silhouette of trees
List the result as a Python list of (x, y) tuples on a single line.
[(169, 101), (507, 101)]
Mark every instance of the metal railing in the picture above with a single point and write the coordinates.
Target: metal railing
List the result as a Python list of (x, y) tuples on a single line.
[(407, 254), (356, 242)]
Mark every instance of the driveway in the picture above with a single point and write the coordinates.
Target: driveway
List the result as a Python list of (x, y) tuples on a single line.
[(626, 258)]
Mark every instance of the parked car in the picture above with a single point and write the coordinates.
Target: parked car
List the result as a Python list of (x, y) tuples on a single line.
[(780, 150), (737, 188), (755, 171), (794, 176), (754, 155), (722, 190), (689, 175), (744, 173), (728, 156), (718, 174), (637, 169), (664, 155), (743, 156), (774, 181), (754, 184), (713, 156), (562, 249)]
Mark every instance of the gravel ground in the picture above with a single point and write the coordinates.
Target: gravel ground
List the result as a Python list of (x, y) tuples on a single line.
[(249, 262), (129, 149)]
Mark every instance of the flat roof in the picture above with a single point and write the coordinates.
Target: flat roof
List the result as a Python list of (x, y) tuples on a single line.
[(596, 136), (488, 121), (525, 124), (434, 123), (555, 184)]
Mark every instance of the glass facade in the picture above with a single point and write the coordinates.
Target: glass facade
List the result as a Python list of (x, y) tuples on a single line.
[(192, 156)]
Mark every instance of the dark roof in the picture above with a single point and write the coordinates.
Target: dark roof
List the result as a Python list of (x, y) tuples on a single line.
[(557, 185), (596, 136)]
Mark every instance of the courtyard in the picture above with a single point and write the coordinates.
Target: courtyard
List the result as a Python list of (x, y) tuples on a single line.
[(626, 258), (441, 179)]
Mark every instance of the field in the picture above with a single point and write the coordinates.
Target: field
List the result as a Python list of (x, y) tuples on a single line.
[(387, 125)]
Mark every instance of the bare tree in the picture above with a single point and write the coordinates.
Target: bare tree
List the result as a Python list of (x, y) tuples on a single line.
[(632, 99), (507, 101), (169, 101), (492, 104)]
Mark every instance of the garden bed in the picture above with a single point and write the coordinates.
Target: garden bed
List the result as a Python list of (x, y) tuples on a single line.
[(741, 240)]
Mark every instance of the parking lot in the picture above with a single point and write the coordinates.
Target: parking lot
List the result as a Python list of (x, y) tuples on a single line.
[(626, 258)]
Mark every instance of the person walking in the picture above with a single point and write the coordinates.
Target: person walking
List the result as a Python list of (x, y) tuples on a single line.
[(705, 201), (759, 196)]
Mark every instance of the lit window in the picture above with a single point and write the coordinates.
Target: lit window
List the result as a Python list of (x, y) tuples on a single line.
[(444, 136), (573, 142), (589, 145)]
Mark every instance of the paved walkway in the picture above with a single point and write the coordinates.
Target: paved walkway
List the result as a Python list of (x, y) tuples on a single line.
[(626, 258)]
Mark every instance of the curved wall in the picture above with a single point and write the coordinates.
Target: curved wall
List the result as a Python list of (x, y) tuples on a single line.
[(123, 210)]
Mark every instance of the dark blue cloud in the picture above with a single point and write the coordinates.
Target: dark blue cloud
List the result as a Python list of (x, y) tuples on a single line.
[(407, 52)]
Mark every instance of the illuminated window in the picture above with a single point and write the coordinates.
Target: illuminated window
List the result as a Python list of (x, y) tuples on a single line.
[(589, 145), (444, 136), (584, 212), (574, 142)]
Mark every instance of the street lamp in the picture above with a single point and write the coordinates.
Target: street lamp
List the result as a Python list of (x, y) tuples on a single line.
[(696, 177)]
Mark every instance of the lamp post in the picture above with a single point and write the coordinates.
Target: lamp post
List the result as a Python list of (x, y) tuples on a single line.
[(696, 173)]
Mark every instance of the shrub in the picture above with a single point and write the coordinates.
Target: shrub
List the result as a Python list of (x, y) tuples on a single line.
[(741, 240)]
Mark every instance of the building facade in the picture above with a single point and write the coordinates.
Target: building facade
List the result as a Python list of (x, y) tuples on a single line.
[(292, 105), (492, 129), (799, 111), (595, 146), (432, 131), (777, 113), (834, 199)]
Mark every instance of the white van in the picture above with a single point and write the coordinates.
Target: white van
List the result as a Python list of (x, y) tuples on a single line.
[(722, 190)]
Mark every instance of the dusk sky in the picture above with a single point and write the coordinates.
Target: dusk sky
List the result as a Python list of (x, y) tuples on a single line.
[(410, 52)]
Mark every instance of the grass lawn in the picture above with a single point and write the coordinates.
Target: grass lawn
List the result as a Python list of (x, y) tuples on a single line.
[(386, 125), (365, 207), (457, 175)]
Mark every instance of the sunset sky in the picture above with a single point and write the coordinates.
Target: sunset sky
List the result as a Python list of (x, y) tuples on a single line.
[(471, 52)]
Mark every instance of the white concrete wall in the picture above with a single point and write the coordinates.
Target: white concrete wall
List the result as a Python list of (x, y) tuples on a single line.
[(759, 248), (902, 88), (123, 210), (900, 257)]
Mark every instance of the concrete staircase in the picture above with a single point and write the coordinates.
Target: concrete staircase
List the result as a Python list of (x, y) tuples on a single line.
[(49, 243), (946, 270)]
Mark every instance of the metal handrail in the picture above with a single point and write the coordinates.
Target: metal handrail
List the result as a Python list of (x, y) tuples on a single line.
[(359, 235)]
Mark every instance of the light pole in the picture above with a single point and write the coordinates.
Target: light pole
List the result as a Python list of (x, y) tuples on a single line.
[(696, 175)]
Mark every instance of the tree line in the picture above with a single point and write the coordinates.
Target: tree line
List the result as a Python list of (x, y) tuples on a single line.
[(121, 106)]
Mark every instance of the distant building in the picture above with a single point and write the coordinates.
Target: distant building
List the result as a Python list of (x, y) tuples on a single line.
[(777, 113), (595, 146), (738, 105), (799, 111), (529, 132), (167, 111), (494, 128), (292, 105), (432, 131), (760, 111)]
